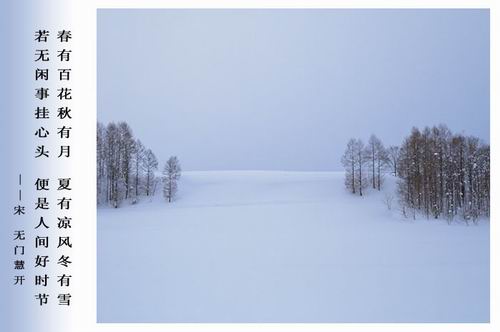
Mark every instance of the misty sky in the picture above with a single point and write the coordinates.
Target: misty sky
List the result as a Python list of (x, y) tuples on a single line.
[(286, 89)]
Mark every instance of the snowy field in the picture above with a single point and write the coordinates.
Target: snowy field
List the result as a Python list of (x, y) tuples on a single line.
[(285, 247)]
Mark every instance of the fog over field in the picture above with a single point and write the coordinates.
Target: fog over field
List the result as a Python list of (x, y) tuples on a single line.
[(286, 89)]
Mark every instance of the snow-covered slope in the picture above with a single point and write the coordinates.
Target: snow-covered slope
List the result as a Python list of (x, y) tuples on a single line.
[(262, 246)]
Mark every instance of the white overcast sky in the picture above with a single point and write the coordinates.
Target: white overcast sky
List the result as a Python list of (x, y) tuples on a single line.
[(286, 89)]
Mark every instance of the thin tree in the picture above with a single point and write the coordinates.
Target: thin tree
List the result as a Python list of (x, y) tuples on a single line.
[(370, 155), (126, 146), (101, 163), (113, 164), (392, 158), (171, 173), (150, 166), (139, 155), (349, 163), (360, 163), (375, 154)]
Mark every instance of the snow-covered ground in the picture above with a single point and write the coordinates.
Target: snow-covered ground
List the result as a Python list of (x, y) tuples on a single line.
[(262, 246)]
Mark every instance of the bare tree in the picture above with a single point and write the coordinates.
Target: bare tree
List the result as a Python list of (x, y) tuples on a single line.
[(353, 161), (361, 182), (376, 156), (101, 163), (381, 161), (392, 158), (349, 163), (370, 155), (150, 166), (171, 173), (113, 164), (138, 161), (126, 147)]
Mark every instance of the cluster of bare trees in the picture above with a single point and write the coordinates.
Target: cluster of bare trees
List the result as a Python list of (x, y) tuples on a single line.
[(366, 165), (440, 174), (125, 168), (444, 174)]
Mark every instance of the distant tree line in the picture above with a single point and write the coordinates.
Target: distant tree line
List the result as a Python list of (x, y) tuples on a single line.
[(126, 170), (440, 174)]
